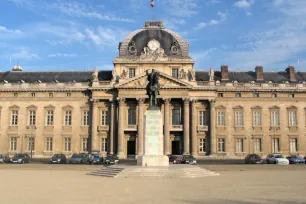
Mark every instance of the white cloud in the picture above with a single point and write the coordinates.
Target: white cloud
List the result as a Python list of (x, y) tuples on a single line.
[(223, 17), (181, 8), (248, 13), (82, 10), (244, 3), (24, 54), (5, 30), (62, 55)]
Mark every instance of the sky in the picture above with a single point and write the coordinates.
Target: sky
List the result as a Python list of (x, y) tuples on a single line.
[(84, 34)]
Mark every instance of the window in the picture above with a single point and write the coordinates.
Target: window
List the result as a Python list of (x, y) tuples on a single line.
[(49, 144), (15, 117), (104, 118), (202, 148), (238, 118), (68, 115), (293, 145), (68, 94), (50, 95), (15, 94), (103, 144), (131, 72), (292, 118), (291, 95), (221, 145), (274, 118), (32, 117), (176, 116), (256, 95), (175, 72), (274, 95), (13, 144), (33, 94), (85, 118), (31, 144), (239, 145), (131, 116), (238, 95), (67, 144), (257, 145), (220, 95), (202, 118), (84, 144), (50, 117), (275, 145), (220, 118), (257, 118)]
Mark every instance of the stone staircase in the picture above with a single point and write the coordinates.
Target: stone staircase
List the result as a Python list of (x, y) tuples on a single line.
[(106, 172), (173, 171)]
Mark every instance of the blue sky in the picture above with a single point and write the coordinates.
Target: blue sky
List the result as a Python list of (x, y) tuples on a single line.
[(82, 34)]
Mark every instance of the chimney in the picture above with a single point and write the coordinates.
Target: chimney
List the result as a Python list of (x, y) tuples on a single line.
[(259, 73), (224, 73), (292, 74)]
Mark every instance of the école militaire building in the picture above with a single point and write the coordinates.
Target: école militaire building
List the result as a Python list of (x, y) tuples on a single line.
[(213, 112)]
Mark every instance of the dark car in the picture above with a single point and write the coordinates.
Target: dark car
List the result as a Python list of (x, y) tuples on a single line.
[(176, 159), (20, 159), (111, 159), (78, 159), (253, 159), (4, 158), (296, 160), (188, 159), (96, 159), (58, 159)]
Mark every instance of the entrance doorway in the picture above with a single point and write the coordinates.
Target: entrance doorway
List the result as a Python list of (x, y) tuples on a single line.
[(176, 148), (131, 147)]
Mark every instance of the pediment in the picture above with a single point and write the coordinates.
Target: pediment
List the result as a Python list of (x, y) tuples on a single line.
[(165, 81)]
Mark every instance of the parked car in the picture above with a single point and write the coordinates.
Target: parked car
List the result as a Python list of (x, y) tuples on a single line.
[(58, 159), (171, 158), (293, 159), (20, 159), (277, 159), (111, 159), (4, 158), (177, 159), (78, 159), (188, 159), (305, 159), (96, 159), (253, 159)]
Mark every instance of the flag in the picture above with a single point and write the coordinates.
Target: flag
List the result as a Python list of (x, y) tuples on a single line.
[(152, 3)]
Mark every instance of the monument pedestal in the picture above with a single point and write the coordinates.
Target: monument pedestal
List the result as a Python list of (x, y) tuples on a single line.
[(153, 141)]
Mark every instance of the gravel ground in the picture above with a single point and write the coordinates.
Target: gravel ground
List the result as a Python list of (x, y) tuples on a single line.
[(69, 184)]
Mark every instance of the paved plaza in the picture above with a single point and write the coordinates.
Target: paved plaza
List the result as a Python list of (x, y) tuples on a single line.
[(69, 184)]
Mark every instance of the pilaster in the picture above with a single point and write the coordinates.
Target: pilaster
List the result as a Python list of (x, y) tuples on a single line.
[(140, 129), (194, 139), (212, 127), (167, 126), (186, 126), (120, 127)]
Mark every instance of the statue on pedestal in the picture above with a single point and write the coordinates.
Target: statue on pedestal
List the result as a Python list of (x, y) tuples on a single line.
[(211, 74), (153, 89)]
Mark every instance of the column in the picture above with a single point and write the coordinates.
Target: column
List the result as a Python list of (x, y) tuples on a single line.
[(212, 128), (167, 126), (140, 130), (121, 127), (94, 122), (186, 126), (112, 127), (194, 138)]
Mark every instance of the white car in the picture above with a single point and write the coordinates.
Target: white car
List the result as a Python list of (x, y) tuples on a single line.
[(277, 159)]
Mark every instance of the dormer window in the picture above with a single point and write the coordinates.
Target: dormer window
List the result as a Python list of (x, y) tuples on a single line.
[(131, 72), (68, 94), (175, 72), (238, 95), (15, 94), (220, 95), (33, 94)]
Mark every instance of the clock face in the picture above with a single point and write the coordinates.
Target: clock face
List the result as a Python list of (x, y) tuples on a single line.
[(154, 45)]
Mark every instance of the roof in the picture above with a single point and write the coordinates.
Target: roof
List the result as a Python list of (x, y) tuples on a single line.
[(60, 76), (247, 76)]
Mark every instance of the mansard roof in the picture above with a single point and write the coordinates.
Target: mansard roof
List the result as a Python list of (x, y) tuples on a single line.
[(53, 76), (247, 76)]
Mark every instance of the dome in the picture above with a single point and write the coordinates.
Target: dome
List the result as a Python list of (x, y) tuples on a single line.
[(170, 41), (17, 68)]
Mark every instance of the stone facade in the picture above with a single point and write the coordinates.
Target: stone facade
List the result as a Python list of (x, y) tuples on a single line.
[(220, 113)]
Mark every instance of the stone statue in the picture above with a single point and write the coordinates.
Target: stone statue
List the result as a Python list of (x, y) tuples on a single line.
[(192, 75), (123, 74), (211, 74), (183, 74), (153, 89), (153, 52), (114, 73), (95, 75)]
